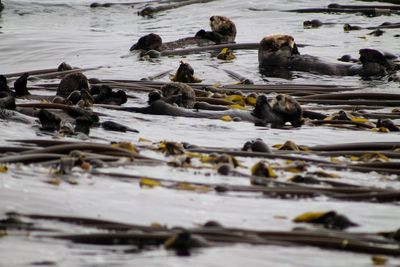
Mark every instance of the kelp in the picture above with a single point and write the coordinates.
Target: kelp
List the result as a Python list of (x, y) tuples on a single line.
[(151, 10), (210, 235)]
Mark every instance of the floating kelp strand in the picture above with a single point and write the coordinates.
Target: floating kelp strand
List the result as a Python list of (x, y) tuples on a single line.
[(386, 153), (31, 72), (387, 165), (382, 197), (156, 239), (377, 115), (255, 154), (289, 191), (392, 7), (249, 87), (13, 149), (44, 142), (362, 243), (30, 158), (89, 222), (331, 234), (382, 103), (357, 146), (348, 96), (150, 10), (341, 122), (60, 74), (66, 148), (344, 107), (372, 12), (360, 168), (157, 76), (139, 239), (218, 47)]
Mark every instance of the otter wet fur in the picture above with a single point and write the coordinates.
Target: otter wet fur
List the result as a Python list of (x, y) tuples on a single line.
[(20, 85), (3, 84), (223, 30), (72, 82), (277, 111), (179, 93), (280, 51)]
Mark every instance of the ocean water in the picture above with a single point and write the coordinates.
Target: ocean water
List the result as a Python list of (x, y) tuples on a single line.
[(42, 34)]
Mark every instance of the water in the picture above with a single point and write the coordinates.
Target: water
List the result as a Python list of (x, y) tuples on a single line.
[(42, 34)]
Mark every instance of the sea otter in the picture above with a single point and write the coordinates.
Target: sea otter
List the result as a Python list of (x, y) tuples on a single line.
[(72, 82), (277, 111), (75, 87), (223, 30), (179, 93), (280, 51)]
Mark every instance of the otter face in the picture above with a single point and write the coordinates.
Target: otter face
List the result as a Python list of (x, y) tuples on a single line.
[(187, 96), (287, 107), (374, 62), (224, 26), (72, 82), (278, 42), (148, 42), (276, 50)]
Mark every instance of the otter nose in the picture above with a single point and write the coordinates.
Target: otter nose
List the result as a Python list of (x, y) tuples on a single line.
[(212, 19), (279, 97)]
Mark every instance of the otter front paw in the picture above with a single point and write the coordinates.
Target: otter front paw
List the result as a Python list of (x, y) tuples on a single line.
[(200, 33)]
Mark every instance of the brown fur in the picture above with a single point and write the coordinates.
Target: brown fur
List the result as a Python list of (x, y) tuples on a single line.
[(277, 42), (287, 107), (223, 26), (179, 93), (223, 30), (72, 82)]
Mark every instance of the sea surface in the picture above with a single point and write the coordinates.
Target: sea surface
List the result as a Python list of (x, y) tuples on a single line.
[(43, 33)]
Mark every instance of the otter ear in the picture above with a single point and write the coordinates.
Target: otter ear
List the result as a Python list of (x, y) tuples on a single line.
[(295, 51), (200, 33)]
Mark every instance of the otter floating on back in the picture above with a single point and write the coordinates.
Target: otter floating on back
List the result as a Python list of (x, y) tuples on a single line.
[(277, 111), (223, 30), (280, 51)]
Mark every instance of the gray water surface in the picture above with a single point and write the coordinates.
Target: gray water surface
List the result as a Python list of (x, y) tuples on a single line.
[(42, 34)]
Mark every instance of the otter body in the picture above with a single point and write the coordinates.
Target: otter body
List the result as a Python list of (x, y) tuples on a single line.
[(280, 51), (223, 30), (179, 93), (72, 82), (277, 111)]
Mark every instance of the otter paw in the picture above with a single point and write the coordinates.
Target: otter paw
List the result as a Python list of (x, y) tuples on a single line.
[(200, 33)]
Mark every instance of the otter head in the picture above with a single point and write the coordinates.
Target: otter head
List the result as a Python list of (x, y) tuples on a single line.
[(179, 93), (374, 62), (275, 50), (72, 82), (148, 42), (279, 42), (315, 23), (288, 109), (154, 96), (3, 84), (223, 26)]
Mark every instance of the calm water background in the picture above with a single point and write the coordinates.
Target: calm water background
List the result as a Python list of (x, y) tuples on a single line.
[(42, 34)]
